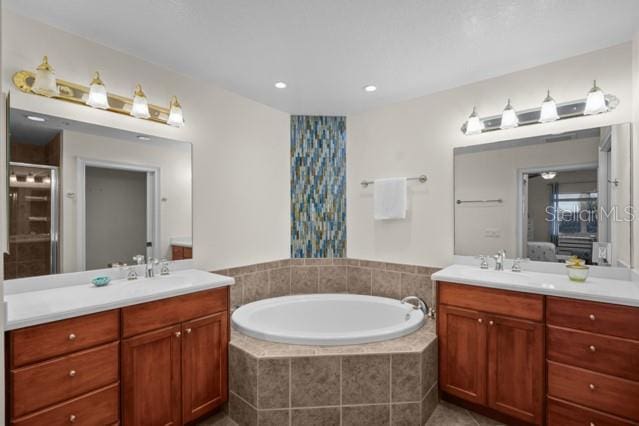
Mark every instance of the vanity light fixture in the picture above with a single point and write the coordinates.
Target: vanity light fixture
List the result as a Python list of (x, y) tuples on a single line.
[(13, 178), (97, 93), (140, 107), (36, 118), (548, 175), (474, 125), (548, 111), (595, 101), (370, 88), (509, 118), (280, 85), (30, 178), (46, 180), (176, 119), (45, 83)]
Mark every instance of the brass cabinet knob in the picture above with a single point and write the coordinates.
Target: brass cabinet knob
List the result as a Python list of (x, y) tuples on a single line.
[(72, 336), (592, 317), (592, 423), (479, 320), (178, 334), (591, 386), (491, 322), (592, 348), (188, 331), (72, 418), (72, 373)]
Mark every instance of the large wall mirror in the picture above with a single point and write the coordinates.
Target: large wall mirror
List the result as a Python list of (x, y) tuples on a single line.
[(84, 197), (547, 198)]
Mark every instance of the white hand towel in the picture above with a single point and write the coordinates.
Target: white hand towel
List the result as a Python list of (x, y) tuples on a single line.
[(390, 198)]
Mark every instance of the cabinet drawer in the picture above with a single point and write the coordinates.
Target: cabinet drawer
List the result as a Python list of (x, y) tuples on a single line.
[(100, 407), (177, 253), (40, 385), (37, 343), (562, 413), (602, 318), (162, 313), (595, 390), (605, 354), (508, 303), (188, 252)]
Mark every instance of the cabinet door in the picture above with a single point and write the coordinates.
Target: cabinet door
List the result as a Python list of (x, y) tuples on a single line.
[(204, 365), (462, 353), (151, 378), (516, 367)]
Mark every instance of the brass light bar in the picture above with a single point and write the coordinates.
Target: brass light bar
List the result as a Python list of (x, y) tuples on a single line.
[(78, 94)]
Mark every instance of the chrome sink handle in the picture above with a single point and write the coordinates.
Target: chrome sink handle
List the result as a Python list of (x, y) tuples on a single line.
[(416, 303)]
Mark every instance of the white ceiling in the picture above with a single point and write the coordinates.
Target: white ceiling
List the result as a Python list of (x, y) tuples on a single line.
[(327, 50)]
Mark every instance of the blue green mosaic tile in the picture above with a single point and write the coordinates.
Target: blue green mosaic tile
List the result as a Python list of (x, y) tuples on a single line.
[(318, 186)]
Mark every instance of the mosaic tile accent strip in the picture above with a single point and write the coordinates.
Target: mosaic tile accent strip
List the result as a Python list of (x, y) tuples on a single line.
[(318, 186)]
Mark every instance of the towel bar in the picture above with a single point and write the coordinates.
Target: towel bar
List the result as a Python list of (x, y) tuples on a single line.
[(421, 179)]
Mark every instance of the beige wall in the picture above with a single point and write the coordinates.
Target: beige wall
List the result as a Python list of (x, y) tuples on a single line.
[(418, 136), (240, 147), (173, 160), (635, 146), (492, 174)]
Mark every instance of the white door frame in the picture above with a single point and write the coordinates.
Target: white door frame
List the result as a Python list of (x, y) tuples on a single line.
[(152, 203), (521, 225)]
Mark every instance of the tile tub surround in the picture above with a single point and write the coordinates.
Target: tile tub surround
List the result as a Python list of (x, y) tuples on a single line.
[(384, 383), (330, 275)]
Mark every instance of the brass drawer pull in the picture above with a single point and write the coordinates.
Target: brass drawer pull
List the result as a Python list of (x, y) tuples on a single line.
[(592, 317), (188, 331), (72, 336), (491, 322), (592, 348), (178, 334), (479, 320), (592, 387), (72, 373), (72, 418)]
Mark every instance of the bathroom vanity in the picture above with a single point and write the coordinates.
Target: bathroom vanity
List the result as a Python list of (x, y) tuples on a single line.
[(535, 348), (147, 352)]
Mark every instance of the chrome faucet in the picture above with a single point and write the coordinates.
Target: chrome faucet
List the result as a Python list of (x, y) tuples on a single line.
[(417, 303), (499, 260)]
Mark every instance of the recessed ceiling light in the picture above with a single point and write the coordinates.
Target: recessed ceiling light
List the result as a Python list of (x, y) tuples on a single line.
[(280, 85), (144, 138), (36, 118), (370, 88)]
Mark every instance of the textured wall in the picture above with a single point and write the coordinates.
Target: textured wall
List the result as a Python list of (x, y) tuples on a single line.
[(318, 186)]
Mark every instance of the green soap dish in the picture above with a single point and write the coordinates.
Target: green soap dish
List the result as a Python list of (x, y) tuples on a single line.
[(101, 281)]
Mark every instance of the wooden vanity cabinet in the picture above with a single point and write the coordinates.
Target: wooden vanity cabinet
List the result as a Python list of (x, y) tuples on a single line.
[(491, 349), (162, 362), (174, 374)]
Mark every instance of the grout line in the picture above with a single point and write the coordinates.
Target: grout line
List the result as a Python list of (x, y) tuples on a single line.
[(390, 388), (290, 391), (341, 394)]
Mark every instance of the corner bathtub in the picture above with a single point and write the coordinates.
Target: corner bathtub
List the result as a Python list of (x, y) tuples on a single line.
[(327, 319)]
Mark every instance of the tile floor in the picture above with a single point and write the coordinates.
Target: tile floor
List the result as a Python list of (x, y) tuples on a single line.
[(444, 415)]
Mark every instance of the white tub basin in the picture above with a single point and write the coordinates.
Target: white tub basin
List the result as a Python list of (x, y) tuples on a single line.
[(327, 319)]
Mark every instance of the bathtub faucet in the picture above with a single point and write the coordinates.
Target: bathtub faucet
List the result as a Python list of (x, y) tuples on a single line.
[(417, 303)]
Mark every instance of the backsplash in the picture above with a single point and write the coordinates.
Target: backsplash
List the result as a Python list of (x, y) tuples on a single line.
[(330, 275), (318, 186)]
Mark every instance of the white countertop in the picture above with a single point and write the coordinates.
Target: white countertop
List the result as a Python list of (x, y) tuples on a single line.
[(181, 241), (598, 289), (52, 304)]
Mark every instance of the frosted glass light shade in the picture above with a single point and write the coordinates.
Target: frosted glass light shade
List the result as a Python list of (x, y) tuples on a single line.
[(596, 101), (30, 178), (13, 178), (509, 117), (140, 107), (45, 83), (176, 118), (474, 125), (548, 110), (548, 175), (97, 94)]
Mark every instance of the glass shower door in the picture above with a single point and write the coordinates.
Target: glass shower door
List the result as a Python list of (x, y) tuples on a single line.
[(33, 221)]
